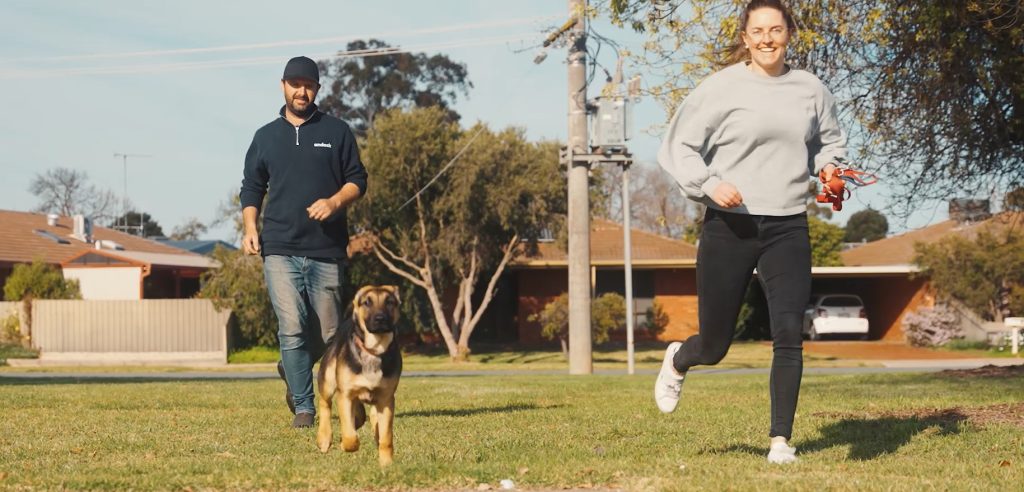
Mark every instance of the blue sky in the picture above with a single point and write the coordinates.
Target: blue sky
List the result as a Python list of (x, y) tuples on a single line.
[(194, 112)]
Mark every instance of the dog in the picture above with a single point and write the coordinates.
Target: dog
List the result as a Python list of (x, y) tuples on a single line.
[(362, 364)]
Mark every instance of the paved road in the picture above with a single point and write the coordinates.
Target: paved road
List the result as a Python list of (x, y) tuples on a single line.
[(888, 367)]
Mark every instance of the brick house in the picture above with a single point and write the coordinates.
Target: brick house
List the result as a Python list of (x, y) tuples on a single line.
[(108, 264), (882, 273)]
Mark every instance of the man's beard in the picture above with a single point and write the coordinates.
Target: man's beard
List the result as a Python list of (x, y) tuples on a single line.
[(303, 113)]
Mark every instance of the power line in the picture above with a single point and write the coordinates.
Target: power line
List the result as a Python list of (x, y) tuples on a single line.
[(443, 169), (289, 43), (170, 67)]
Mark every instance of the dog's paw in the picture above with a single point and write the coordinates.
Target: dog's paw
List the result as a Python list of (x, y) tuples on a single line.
[(384, 458), (323, 445), (350, 444)]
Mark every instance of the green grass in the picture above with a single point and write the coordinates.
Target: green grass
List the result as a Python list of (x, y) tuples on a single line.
[(511, 357), (540, 431), (976, 349), (15, 351), (254, 355)]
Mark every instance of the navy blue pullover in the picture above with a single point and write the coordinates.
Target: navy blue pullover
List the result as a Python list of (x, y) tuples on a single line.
[(300, 165)]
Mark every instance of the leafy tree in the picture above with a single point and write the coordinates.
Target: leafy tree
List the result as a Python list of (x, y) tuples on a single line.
[(933, 92), (138, 223), (979, 272), (473, 218), (608, 312), (190, 230), (866, 225), (361, 88), (39, 280), (68, 192), (826, 242), (1014, 200), (239, 285)]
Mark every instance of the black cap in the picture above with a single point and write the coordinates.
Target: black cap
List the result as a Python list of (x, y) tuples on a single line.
[(301, 67)]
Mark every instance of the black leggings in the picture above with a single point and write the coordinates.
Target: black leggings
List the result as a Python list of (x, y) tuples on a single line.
[(731, 245)]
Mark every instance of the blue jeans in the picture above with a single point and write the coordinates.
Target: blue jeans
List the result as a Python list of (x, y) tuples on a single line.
[(306, 294)]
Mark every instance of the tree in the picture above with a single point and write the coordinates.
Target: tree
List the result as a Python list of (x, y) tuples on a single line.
[(472, 219), (137, 223), (239, 285), (979, 272), (656, 204), (39, 280), (67, 192), (932, 92), (358, 89), (866, 225), (190, 230), (608, 312), (826, 242), (1014, 200)]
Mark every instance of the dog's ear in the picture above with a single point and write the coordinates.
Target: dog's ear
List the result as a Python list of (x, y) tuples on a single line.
[(393, 290)]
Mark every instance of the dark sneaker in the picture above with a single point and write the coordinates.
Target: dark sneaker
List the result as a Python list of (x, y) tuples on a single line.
[(302, 420), (287, 391)]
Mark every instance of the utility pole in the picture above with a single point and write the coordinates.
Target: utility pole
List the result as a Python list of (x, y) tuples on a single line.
[(580, 350), (124, 198)]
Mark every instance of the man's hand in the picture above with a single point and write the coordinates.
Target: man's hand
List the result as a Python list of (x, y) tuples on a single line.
[(726, 195), (323, 209), (251, 243)]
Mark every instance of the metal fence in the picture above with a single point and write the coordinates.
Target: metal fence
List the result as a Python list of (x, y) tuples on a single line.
[(189, 328)]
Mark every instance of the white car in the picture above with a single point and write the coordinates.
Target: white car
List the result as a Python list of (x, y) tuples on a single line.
[(836, 314)]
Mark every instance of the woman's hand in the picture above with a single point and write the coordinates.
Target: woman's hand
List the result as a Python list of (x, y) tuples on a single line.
[(726, 195)]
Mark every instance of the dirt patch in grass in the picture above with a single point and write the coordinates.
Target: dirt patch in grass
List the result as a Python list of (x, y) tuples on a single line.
[(989, 371), (1002, 413)]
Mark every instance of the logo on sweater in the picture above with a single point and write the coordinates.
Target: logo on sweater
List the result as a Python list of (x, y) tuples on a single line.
[(325, 145)]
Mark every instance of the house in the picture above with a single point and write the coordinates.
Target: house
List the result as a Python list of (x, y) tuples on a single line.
[(198, 246), (664, 271), (882, 273), (888, 296), (108, 264)]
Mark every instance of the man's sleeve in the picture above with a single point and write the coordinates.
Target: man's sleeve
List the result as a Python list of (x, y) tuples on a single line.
[(352, 169), (254, 178)]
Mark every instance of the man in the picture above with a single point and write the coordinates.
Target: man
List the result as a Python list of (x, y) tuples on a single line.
[(310, 162)]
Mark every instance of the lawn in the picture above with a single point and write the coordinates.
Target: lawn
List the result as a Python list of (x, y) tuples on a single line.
[(881, 432), (607, 357)]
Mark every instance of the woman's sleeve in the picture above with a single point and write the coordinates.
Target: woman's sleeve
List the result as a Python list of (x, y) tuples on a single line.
[(829, 144), (685, 144)]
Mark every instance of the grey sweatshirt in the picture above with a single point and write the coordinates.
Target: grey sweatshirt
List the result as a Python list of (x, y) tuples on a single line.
[(765, 135)]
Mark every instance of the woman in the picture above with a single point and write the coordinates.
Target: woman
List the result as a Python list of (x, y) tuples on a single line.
[(744, 143)]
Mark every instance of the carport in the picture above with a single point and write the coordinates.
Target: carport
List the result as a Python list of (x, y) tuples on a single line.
[(888, 292)]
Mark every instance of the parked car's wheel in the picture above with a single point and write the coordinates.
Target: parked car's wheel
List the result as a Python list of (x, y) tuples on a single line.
[(813, 334)]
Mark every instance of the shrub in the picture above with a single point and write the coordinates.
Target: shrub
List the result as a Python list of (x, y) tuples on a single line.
[(656, 319), (932, 327), (607, 312), (39, 280), (239, 285)]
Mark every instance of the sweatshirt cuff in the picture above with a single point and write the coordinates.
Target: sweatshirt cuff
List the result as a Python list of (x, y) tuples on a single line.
[(709, 186), (250, 199)]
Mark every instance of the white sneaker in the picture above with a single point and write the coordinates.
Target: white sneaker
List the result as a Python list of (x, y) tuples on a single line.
[(781, 453), (669, 383)]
